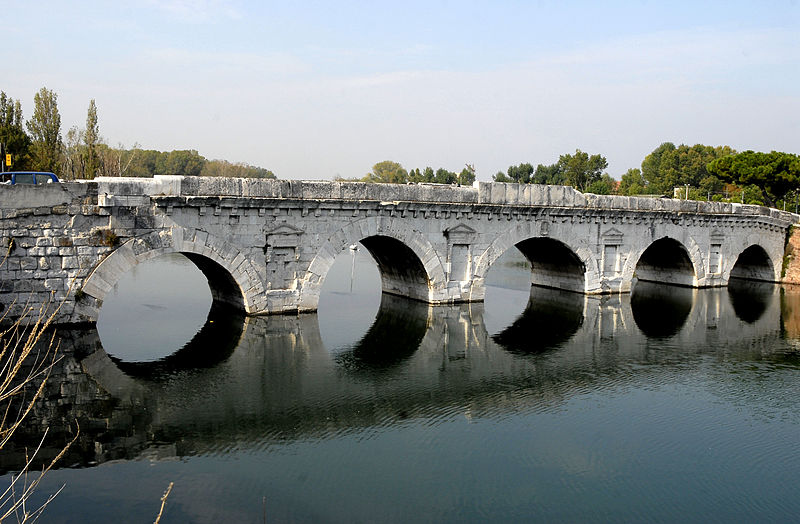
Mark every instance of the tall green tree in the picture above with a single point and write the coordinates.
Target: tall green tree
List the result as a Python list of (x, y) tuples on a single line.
[(632, 183), (45, 129), (670, 166), (387, 172), (91, 138), (580, 170), (520, 174), (774, 173), (551, 175), (467, 175), (605, 185), (12, 133)]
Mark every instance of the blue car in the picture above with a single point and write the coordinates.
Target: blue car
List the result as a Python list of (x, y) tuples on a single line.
[(29, 177)]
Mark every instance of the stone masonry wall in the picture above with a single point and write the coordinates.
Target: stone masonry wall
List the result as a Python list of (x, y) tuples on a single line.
[(57, 234), (52, 236)]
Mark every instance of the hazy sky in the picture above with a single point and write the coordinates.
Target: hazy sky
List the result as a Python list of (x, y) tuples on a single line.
[(330, 88)]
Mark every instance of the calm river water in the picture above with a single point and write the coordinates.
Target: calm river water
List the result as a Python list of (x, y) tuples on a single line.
[(668, 405)]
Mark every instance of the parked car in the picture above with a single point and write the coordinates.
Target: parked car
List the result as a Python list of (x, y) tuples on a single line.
[(29, 177)]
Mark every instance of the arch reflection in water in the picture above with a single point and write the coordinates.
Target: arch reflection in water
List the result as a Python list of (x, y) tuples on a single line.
[(551, 318), (281, 385), (750, 299), (214, 343), (154, 309), (660, 310), (395, 335)]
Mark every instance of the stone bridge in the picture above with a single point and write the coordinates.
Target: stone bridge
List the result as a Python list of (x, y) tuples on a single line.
[(266, 245)]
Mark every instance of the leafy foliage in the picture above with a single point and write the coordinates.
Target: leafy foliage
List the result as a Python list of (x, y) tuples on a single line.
[(581, 170), (91, 138), (12, 133), (775, 173), (45, 130), (669, 166), (632, 183), (387, 172)]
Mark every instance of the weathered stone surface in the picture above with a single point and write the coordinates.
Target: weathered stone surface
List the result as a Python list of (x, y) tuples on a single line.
[(266, 245)]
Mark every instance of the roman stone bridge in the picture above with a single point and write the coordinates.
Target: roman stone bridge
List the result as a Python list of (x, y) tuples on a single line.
[(266, 245)]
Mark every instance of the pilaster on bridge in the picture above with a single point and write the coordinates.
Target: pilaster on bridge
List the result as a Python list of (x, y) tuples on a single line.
[(266, 245)]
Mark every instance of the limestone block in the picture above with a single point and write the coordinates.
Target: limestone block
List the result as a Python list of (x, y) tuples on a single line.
[(539, 195), (498, 195), (70, 262), (484, 192), (317, 190)]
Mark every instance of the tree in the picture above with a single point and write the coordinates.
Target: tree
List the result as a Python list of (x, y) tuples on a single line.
[(12, 134), (774, 173), (387, 172), (45, 130), (548, 175), (73, 165), (605, 185), (501, 177), (467, 175), (91, 137), (669, 166), (632, 183), (580, 170)]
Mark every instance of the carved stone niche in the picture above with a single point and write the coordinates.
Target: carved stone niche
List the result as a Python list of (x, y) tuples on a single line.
[(459, 259), (610, 240), (281, 255), (460, 234), (717, 238), (284, 236)]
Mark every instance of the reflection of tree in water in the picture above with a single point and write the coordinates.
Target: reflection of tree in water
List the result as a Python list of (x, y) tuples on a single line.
[(660, 310), (749, 298), (395, 335), (214, 343), (551, 318)]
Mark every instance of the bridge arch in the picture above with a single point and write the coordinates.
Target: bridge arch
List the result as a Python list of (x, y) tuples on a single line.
[(556, 261), (409, 264), (668, 261), (753, 263), (232, 279)]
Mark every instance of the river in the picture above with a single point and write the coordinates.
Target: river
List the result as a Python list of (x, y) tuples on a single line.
[(670, 404)]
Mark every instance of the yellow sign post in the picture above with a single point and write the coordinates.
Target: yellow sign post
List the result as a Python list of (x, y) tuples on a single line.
[(8, 159)]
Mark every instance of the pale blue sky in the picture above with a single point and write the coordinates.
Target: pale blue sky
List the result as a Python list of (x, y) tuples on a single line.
[(330, 88)]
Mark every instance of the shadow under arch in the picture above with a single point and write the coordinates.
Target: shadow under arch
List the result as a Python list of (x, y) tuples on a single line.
[(753, 264), (212, 344), (553, 264), (401, 270), (551, 318), (393, 337), (226, 269), (659, 310), (666, 261)]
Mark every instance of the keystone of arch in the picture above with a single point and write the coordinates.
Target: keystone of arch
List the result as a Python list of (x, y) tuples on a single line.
[(175, 240)]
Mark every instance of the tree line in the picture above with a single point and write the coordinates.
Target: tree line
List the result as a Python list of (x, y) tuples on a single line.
[(37, 145), (390, 172), (698, 172)]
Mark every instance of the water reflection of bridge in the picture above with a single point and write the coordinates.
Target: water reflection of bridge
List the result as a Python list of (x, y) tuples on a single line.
[(252, 381)]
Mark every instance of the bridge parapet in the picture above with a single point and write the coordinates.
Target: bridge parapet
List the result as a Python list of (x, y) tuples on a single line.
[(133, 191)]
